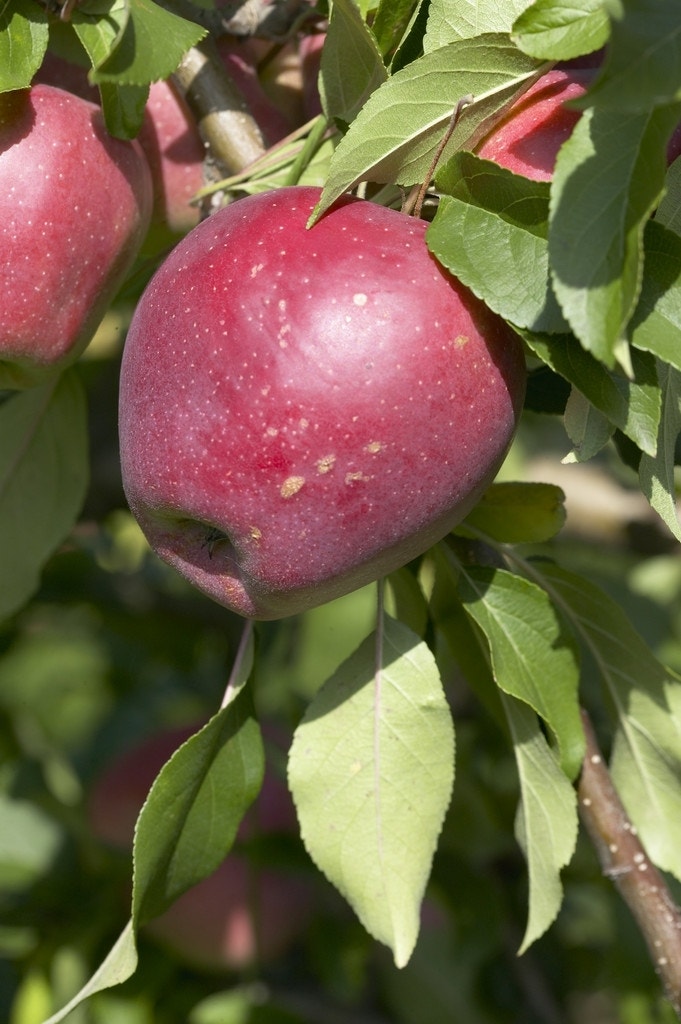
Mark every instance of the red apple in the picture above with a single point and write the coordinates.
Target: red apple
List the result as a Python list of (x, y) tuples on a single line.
[(303, 411), (170, 138), (74, 208), (244, 912), (528, 138), (526, 141)]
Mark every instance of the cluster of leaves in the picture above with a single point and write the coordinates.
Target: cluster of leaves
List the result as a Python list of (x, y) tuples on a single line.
[(587, 269)]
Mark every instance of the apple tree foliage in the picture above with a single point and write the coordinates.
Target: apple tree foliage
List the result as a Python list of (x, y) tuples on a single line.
[(531, 630)]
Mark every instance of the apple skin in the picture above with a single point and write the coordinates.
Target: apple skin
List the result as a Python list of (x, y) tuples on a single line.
[(244, 913), (304, 411), (526, 141), (75, 205)]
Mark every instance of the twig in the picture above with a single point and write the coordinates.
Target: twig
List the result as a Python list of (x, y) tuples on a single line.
[(225, 122), (624, 860)]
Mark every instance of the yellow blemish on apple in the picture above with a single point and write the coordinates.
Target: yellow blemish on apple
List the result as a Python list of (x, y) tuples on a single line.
[(359, 299), (254, 533), (461, 341), (291, 486), (353, 477), (325, 463), (373, 447)]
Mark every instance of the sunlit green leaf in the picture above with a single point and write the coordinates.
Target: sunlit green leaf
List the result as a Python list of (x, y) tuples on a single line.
[(191, 816), (490, 232), (449, 20), (119, 965), (396, 134), (562, 29), (546, 823), (534, 655), (657, 474), (23, 41), (371, 772), (646, 703)]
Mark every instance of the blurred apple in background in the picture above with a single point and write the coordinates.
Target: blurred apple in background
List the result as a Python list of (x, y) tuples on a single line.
[(75, 206), (246, 912)]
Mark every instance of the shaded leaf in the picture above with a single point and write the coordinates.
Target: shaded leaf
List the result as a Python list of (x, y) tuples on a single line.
[(656, 324), (643, 60), (344, 85), (390, 23), (562, 29), (44, 474), (608, 178), (371, 772), (587, 427), (632, 405), (646, 704), (657, 474), (534, 656), (518, 513), (490, 232), (546, 823)]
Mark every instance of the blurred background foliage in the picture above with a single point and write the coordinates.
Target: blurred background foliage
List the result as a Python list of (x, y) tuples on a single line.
[(115, 648)]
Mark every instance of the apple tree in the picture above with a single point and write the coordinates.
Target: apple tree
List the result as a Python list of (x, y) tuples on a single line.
[(339, 434)]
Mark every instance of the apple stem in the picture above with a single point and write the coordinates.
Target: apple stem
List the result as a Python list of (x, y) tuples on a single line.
[(235, 680), (414, 203)]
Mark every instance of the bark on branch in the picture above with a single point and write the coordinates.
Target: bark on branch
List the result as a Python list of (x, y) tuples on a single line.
[(624, 860)]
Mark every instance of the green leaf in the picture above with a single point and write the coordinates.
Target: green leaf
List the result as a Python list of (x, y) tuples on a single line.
[(23, 41), (608, 178), (450, 20), (191, 816), (490, 232), (587, 427), (518, 513), (124, 108), (656, 324), (646, 702), (43, 480), (371, 772), (643, 61), (632, 405), (395, 136), (562, 29), (391, 22), (546, 824), (668, 212), (345, 85), (534, 656), (121, 38), (657, 473), (119, 965)]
